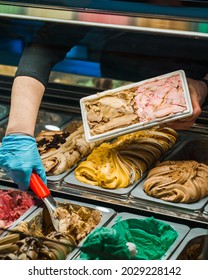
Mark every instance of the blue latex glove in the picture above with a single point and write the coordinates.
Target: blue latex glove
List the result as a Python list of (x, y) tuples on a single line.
[(19, 156)]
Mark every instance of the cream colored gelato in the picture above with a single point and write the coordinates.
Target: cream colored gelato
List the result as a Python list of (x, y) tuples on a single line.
[(61, 150), (39, 240), (178, 181)]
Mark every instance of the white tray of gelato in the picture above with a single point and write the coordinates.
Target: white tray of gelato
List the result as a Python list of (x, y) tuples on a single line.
[(76, 221), (194, 246), (133, 237), (136, 106)]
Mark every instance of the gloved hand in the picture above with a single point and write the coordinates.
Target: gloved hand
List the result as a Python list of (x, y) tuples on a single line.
[(19, 156)]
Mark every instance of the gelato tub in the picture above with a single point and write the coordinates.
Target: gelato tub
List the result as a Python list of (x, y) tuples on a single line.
[(61, 150), (70, 181), (15, 206), (131, 236), (194, 246), (76, 221), (136, 106), (116, 167), (188, 166)]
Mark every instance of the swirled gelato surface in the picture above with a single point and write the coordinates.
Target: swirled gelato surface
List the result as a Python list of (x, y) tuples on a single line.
[(39, 240), (120, 163), (178, 181), (60, 150), (136, 239)]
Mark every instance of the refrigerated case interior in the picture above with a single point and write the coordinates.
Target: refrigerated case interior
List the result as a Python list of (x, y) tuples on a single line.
[(123, 42)]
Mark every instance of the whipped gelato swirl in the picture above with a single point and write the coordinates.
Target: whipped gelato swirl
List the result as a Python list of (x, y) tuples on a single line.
[(178, 181)]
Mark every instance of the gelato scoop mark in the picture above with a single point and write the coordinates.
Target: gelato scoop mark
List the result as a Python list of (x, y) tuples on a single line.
[(120, 163), (13, 204), (136, 239), (178, 181), (41, 241), (152, 100), (61, 150)]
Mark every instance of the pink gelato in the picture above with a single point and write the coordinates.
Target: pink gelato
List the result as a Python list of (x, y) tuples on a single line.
[(13, 204)]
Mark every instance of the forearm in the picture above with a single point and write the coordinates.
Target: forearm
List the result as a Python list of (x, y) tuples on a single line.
[(26, 97)]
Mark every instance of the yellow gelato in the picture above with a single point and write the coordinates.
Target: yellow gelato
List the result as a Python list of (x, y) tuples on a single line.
[(120, 163)]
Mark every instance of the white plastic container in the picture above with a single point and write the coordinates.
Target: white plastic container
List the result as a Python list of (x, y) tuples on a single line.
[(187, 111)]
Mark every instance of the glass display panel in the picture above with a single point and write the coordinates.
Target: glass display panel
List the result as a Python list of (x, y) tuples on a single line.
[(106, 52), (186, 8)]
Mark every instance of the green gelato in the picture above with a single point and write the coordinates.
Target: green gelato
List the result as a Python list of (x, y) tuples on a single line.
[(136, 239)]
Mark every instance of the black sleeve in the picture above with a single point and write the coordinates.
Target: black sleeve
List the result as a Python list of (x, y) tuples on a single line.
[(49, 47)]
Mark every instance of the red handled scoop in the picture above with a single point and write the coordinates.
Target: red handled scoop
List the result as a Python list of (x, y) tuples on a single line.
[(42, 191)]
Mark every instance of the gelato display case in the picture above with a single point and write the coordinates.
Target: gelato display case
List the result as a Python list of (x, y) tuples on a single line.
[(120, 43), (191, 151), (76, 221), (143, 232), (46, 120)]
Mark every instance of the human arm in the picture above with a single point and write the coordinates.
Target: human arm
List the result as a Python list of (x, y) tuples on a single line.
[(19, 155)]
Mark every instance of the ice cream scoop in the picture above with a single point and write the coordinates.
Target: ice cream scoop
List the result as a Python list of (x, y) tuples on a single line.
[(42, 191)]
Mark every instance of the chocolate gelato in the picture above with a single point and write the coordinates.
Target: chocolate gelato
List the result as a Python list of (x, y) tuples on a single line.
[(39, 240), (61, 150), (178, 181)]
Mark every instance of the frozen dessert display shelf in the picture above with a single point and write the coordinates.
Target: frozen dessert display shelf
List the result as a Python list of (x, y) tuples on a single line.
[(36, 232), (191, 147), (153, 238)]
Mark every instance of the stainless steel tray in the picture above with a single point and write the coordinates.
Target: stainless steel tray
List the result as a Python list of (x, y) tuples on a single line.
[(195, 148), (139, 194), (206, 210), (107, 215), (56, 179), (37, 203), (181, 229), (195, 235), (71, 181)]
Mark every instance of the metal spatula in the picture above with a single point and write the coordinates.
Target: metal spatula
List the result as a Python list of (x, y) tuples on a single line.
[(42, 191)]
